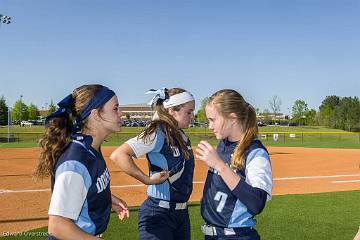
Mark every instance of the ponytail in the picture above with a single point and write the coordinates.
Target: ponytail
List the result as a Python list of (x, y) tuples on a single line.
[(59, 127), (228, 101), (250, 133), (56, 138), (167, 124)]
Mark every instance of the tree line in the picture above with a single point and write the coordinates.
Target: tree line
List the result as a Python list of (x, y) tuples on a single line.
[(20, 111), (334, 112)]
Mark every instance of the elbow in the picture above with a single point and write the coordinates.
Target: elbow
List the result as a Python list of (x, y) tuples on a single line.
[(121, 154), (118, 154), (258, 208), (258, 205), (53, 228), (113, 156)]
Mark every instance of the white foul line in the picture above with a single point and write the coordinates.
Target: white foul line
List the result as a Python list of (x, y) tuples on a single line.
[(348, 181), (140, 185), (126, 186), (316, 177), (198, 182), (24, 191)]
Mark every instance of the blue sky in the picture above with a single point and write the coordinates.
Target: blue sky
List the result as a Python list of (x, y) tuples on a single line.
[(298, 49)]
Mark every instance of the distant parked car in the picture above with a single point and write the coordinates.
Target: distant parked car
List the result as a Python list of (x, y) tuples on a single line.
[(261, 124), (37, 122), (292, 124), (26, 123)]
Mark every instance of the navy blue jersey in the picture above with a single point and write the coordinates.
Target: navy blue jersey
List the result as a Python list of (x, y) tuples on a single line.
[(81, 187), (161, 156), (219, 205)]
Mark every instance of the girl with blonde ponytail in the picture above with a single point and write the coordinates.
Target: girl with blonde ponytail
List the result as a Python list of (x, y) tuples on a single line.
[(239, 180)]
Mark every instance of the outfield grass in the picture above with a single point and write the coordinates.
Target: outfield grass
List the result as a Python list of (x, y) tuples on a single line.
[(40, 129), (320, 216), (307, 136)]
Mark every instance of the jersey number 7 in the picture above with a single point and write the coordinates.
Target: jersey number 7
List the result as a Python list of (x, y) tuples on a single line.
[(221, 197)]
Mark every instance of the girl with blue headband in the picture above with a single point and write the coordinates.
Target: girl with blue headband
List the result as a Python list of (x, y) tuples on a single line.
[(70, 153), (164, 214)]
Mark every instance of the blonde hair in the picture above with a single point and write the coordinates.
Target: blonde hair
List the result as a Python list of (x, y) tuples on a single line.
[(58, 131), (168, 124), (228, 101)]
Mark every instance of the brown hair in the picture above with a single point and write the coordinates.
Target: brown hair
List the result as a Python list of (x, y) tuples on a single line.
[(58, 131), (228, 101), (168, 123)]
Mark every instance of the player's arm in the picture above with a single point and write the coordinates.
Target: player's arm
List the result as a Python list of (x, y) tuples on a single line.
[(120, 207), (123, 157), (64, 228), (357, 236), (252, 197), (72, 182)]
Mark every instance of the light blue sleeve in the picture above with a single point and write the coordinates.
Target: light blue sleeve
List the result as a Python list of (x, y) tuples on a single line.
[(72, 182)]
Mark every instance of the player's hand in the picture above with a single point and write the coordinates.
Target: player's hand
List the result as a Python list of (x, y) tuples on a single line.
[(120, 207), (357, 237), (159, 177), (206, 153)]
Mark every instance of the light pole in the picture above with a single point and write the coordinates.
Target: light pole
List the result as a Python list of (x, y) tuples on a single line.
[(46, 109), (288, 114), (5, 19), (21, 96), (9, 122)]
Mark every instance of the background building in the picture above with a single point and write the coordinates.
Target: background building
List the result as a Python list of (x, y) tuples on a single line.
[(140, 111)]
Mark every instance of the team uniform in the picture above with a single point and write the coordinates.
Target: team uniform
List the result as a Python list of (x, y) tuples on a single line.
[(81, 187), (164, 214), (229, 214)]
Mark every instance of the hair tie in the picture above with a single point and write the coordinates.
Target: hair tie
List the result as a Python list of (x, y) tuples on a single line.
[(65, 106), (161, 93)]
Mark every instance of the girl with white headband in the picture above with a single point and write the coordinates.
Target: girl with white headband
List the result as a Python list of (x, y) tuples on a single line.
[(164, 214)]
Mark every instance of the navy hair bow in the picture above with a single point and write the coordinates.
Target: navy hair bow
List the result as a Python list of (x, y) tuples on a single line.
[(65, 106)]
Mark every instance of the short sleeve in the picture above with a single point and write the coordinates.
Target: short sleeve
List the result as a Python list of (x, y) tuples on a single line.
[(72, 182), (142, 147), (258, 171)]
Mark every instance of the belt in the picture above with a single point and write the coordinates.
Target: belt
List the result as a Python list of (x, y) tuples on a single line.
[(209, 230), (172, 205)]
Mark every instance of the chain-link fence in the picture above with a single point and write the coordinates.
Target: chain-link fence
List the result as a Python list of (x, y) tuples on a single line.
[(306, 139)]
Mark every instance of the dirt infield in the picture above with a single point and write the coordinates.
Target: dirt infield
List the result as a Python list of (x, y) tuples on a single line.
[(24, 202)]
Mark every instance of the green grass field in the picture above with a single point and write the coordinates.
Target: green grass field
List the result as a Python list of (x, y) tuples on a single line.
[(321, 216), (310, 216), (308, 136)]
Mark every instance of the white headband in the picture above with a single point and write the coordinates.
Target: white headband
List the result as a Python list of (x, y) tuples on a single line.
[(178, 99)]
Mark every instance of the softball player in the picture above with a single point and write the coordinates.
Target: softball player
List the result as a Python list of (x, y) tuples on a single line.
[(239, 179), (70, 152), (164, 213)]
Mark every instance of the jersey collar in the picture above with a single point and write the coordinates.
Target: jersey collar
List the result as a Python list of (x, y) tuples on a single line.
[(84, 139)]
